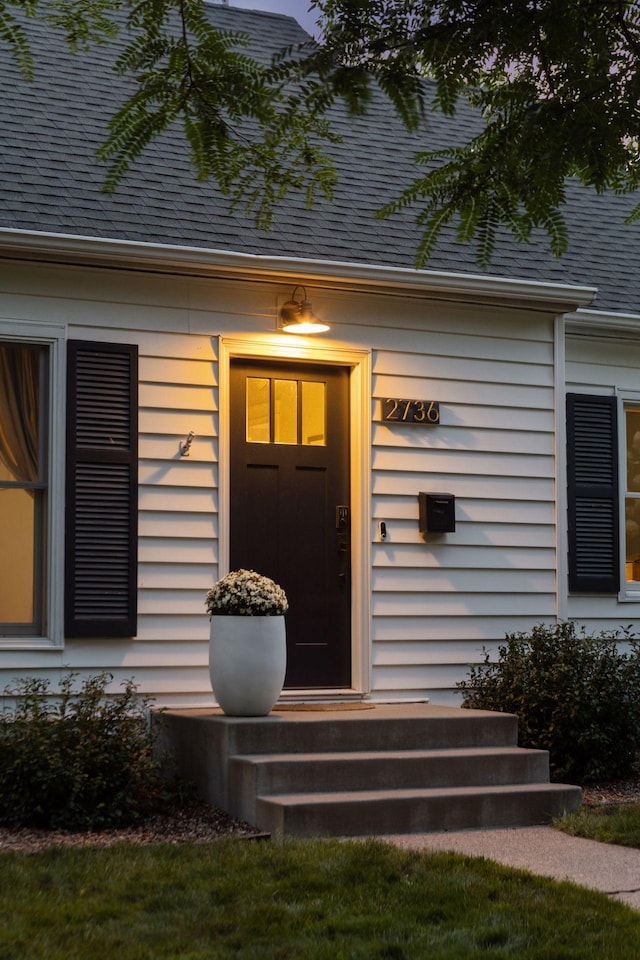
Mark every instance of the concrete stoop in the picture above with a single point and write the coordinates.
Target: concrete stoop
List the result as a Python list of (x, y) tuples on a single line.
[(410, 768)]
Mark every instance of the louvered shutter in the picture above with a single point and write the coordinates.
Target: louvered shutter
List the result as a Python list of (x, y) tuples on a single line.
[(101, 504), (593, 510)]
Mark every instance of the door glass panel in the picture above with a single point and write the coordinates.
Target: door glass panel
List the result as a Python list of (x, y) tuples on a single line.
[(258, 410), (299, 412), (286, 411), (313, 413)]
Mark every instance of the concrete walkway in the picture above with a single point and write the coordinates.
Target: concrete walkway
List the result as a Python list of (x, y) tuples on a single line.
[(613, 870)]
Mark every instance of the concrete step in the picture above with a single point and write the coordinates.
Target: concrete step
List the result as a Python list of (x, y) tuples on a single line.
[(378, 812), (392, 727), (262, 775), (400, 768)]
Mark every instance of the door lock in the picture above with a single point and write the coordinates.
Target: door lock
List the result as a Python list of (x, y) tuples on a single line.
[(343, 541), (342, 519)]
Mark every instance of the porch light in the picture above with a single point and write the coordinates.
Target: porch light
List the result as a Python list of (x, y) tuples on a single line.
[(296, 316)]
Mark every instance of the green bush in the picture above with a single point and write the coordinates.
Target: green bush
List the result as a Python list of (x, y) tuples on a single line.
[(576, 695), (76, 759)]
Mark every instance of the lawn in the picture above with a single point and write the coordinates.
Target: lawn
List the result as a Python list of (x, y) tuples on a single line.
[(303, 900), (611, 823)]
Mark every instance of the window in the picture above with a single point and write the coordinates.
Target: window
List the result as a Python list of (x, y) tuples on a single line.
[(603, 458), (632, 496), (23, 487), (68, 519)]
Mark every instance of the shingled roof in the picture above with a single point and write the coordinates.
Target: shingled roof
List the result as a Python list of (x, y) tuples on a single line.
[(51, 181)]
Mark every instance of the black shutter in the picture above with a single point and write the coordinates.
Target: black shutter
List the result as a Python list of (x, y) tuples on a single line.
[(592, 485), (101, 504)]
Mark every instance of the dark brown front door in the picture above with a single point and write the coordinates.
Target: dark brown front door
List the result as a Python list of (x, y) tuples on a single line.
[(290, 511)]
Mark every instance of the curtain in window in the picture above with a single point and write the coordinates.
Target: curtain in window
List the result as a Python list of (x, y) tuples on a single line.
[(19, 369)]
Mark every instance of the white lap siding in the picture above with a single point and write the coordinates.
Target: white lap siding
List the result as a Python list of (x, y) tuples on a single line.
[(438, 599), (435, 601), (177, 496)]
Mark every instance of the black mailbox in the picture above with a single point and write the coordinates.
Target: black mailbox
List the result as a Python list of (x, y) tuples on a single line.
[(437, 512)]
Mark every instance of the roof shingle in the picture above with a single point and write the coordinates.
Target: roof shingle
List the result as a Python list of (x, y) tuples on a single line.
[(52, 181)]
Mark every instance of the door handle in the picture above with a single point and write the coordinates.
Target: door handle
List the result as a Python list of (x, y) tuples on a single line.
[(342, 519), (343, 541)]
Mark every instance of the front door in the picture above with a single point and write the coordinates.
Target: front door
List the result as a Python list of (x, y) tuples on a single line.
[(290, 511)]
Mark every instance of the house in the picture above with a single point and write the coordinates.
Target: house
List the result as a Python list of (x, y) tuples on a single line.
[(454, 458)]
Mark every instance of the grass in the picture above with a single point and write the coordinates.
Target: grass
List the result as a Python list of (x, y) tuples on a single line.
[(316, 900), (610, 823)]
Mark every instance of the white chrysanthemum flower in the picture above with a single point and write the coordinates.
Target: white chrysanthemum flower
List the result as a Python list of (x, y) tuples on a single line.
[(245, 593)]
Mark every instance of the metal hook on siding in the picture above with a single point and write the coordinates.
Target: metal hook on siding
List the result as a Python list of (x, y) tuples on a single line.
[(186, 446)]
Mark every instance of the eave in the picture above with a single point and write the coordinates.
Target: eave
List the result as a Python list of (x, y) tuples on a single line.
[(202, 261), (602, 323)]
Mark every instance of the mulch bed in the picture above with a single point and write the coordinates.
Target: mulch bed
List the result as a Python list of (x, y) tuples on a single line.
[(201, 823), (192, 823), (619, 791)]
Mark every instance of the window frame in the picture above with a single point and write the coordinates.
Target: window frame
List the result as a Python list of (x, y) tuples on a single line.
[(40, 489), (52, 558), (629, 589)]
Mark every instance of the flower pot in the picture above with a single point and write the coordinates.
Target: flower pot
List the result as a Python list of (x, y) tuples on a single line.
[(247, 663)]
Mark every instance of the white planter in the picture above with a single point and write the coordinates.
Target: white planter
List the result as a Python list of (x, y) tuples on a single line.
[(247, 663)]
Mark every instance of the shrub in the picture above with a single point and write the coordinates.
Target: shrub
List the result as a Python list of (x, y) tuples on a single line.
[(76, 760), (576, 695)]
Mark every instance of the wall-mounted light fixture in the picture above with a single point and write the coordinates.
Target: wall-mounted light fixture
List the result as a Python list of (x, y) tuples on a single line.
[(296, 316)]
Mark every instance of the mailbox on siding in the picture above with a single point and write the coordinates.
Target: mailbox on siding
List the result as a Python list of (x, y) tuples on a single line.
[(437, 512)]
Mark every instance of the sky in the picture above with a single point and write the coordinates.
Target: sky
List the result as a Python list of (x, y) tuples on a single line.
[(294, 8)]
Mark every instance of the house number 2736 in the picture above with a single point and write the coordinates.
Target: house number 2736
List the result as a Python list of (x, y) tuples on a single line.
[(411, 411)]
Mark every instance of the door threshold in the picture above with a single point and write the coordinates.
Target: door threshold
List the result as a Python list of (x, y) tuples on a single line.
[(330, 695)]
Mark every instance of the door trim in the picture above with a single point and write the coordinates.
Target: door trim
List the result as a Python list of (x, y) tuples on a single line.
[(359, 362)]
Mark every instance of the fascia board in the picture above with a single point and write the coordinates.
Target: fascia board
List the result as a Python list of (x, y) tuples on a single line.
[(203, 261), (603, 323)]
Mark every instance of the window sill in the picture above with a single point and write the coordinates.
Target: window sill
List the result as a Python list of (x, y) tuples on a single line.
[(30, 643), (629, 596)]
